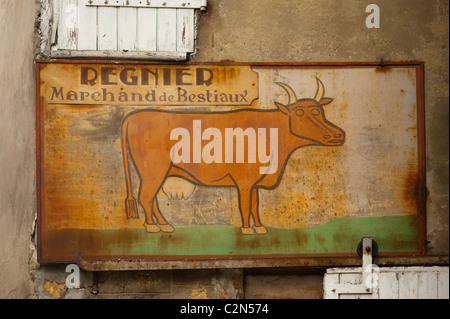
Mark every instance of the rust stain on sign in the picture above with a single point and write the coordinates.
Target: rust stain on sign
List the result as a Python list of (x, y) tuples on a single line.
[(412, 188), (175, 161)]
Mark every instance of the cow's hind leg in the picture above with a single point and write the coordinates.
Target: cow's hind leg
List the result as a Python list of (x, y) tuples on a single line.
[(244, 207), (148, 200), (163, 224), (259, 228)]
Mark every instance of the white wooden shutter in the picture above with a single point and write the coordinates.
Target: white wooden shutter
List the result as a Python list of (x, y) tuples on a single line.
[(391, 283), (159, 29)]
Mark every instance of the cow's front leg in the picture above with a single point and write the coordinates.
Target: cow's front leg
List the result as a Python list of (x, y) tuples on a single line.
[(244, 207)]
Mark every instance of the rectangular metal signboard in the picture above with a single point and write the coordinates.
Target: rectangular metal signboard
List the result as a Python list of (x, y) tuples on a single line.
[(220, 161)]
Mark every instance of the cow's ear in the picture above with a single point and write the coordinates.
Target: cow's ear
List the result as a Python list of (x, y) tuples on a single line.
[(283, 108), (326, 100)]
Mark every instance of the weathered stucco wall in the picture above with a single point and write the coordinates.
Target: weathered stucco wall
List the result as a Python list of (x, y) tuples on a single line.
[(236, 30), (17, 146)]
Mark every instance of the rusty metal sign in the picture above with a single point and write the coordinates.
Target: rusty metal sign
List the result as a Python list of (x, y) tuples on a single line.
[(228, 161)]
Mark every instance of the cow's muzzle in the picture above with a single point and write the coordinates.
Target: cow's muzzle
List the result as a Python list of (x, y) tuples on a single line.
[(336, 139)]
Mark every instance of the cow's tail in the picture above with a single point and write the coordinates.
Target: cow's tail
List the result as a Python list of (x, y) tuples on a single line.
[(130, 201)]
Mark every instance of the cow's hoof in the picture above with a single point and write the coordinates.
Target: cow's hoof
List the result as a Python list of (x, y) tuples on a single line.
[(260, 230), (152, 228), (167, 228), (247, 231)]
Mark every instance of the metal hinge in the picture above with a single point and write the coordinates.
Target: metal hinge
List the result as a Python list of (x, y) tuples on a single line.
[(368, 250), (180, 4)]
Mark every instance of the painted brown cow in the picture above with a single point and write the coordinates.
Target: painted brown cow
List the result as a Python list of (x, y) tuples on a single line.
[(146, 140)]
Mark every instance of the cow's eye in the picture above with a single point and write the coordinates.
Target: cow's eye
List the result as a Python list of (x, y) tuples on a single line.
[(315, 112), (300, 112)]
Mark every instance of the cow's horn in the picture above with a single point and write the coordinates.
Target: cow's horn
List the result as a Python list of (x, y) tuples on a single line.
[(290, 92), (320, 90)]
